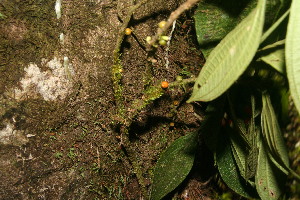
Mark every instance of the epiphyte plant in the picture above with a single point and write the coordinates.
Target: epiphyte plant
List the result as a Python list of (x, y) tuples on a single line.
[(247, 77)]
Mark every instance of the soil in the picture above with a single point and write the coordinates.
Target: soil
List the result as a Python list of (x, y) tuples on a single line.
[(66, 131), (60, 134)]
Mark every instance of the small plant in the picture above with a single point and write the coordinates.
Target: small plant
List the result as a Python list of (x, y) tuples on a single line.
[(71, 154), (58, 155), (247, 79), (1, 16)]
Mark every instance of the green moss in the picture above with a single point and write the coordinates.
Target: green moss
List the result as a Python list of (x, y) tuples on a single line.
[(153, 93), (116, 71), (28, 33)]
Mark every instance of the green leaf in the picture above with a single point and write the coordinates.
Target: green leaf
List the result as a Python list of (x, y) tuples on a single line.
[(213, 21), (229, 170), (292, 52), (274, 45), (230, 58), (274, 26), (239, 152), (251, 161), (245, 154), (272, 132), (174, 165), (268, 180), (275, 58)]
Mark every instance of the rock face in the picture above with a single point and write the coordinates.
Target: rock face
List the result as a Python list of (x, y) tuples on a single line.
[(9, 135), (59, 132)]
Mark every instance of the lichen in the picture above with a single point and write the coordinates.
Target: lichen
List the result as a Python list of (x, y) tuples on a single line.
[(51, 84)]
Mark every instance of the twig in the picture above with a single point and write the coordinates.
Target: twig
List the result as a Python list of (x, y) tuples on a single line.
[(149, 97), (121, 34), (174, 15), (116, 68)]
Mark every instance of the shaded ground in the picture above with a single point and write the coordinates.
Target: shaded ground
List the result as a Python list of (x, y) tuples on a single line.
[(59, 136), (59, 125)]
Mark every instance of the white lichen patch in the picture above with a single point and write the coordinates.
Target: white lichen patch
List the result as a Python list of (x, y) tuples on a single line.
[(58, 9), (13, 137), (51, 84), (62, 38)]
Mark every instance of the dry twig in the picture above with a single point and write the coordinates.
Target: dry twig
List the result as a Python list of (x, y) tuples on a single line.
[(174, 15), (121, 34)]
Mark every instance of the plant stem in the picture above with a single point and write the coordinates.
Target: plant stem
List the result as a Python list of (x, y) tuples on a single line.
[(174, 15)]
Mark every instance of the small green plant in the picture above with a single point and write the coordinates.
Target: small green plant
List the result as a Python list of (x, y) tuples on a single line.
[(247, 79), (58, 155), (52, 137), (71, 154)]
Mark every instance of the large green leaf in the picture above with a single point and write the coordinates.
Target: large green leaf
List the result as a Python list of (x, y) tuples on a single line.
[(268, 180), (292, 52), (229, 170), (214, 20), (272, 132), (174, 165), (230, 58)]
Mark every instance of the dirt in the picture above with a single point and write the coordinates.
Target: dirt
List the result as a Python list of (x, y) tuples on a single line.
[(59, 125)]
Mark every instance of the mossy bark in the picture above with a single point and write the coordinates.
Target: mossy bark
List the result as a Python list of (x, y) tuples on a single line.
[(69, 146)]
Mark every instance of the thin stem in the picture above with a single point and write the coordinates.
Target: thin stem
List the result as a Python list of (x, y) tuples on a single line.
[(174, 15), (274, 26), (126, 21)]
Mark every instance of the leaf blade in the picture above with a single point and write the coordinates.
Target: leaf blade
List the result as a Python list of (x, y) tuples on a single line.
[(267, 176), (174, 165), (212, 23), (230, 58), (292, 52), (229, 170), (275, 59), (272, 133)]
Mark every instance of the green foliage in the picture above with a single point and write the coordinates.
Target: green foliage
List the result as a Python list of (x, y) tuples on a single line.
[(214, 21), (272, 133), (292, 52), (273, 55), (248, 86), (229, 170), (230, 58), (268, 179), (174, 165), (248, 89)]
